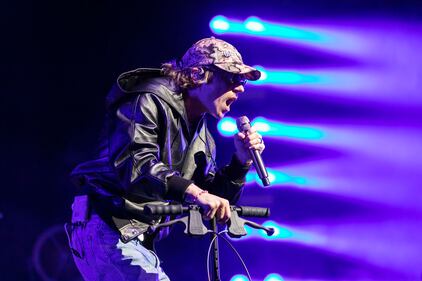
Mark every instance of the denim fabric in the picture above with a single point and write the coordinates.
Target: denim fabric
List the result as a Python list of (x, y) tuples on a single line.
[(100, 255)]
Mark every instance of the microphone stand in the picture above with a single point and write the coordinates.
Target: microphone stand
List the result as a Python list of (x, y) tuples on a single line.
[(215, 250)]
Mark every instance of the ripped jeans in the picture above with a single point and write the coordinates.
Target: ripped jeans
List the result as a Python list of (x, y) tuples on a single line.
[(100, 255)]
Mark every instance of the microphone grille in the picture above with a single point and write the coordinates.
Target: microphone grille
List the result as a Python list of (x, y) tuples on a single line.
[(243, 124)]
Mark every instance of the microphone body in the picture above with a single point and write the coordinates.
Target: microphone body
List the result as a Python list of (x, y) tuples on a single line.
[(243, 125)]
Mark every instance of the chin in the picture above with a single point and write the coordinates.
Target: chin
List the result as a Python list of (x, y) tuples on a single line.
[(221, 115), (217, 114)]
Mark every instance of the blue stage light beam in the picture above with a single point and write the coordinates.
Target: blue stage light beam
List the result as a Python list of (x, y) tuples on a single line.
[(334, 39), (227, 127), (276, 129), (287, 77), (276, 178), (256, 27), (281, 233)]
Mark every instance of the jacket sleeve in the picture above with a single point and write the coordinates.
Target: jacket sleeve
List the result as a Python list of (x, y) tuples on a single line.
[(135, 141), (228, 181)]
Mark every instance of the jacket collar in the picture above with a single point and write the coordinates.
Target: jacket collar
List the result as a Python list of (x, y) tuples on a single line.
[(148, 80)]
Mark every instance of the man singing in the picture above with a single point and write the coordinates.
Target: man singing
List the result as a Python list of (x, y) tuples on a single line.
[(156, 148)]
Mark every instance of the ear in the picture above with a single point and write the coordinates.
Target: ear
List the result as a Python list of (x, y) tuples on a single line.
[(197, 73)]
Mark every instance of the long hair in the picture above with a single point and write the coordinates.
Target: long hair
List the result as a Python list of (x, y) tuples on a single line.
[(186, 78)]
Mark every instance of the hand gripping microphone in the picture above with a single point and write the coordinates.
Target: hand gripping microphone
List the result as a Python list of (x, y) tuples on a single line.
[(243, 125)]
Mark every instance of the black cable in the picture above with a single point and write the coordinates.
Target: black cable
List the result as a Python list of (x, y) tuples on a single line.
[(233, 248)]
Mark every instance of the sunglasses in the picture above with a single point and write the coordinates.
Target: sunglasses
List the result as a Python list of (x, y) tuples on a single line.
[(237, 79), (231, 78)]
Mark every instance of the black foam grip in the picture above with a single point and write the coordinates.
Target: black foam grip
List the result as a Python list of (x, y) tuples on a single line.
[(162, 210), (246, 211)]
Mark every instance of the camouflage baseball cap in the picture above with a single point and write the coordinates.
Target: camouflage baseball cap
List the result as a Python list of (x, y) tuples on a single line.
[(213, 51)]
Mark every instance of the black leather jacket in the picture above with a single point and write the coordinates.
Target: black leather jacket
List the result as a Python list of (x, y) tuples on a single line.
[(149, 152)]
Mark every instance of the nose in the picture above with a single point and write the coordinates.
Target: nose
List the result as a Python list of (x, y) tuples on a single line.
[(239, 89)]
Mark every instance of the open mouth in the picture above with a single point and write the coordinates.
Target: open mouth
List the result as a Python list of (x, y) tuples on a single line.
[(230, 101)]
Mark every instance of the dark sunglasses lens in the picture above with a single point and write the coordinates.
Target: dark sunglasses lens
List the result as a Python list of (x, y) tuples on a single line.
[(239, 80)]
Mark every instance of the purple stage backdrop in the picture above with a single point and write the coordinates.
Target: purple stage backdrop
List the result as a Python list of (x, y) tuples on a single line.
[(339, 105)]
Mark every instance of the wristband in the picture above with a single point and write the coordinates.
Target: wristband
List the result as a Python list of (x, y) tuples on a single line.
[(196, 196)]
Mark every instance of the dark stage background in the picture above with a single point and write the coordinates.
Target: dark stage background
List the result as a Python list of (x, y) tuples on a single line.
[(58, 61)]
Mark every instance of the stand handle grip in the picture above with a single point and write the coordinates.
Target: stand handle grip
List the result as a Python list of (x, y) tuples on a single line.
[(164, 209), (246, 211)]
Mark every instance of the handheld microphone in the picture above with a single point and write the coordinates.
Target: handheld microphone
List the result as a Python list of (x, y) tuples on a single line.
[(243, 125)]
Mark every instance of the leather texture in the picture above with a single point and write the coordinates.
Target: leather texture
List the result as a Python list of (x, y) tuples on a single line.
[(148, 151)]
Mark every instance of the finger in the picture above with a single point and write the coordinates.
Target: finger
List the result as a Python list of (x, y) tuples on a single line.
[(257, 141), (252, 137), (224, 214), (228, 211), (253, 145), (259, 147), (251, 131), (206, 213), (214, 208), (221, 213), (240, 135)]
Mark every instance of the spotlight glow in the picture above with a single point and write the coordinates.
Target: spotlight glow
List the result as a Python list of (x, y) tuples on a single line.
[(227, 127), (276, 178), (256, 27), (276, 129), (219, 24), (239, 277), (280, 233), (335, 39), (254, 24), (273, 277), (286, 77), (269, 277)]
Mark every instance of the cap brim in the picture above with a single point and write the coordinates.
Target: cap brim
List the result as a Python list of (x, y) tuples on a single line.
[(249, 72)]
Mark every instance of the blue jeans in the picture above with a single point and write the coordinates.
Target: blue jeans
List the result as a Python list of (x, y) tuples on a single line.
[(100, 255)]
